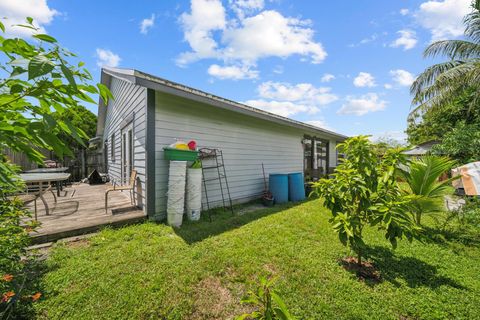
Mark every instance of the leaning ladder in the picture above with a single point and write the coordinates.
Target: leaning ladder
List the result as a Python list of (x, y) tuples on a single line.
[(212, 159)]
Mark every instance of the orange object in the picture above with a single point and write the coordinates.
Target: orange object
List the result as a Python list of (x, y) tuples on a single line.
[(7, 278)]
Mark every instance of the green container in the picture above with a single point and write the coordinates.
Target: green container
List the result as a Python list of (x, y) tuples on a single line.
[(180, 155)]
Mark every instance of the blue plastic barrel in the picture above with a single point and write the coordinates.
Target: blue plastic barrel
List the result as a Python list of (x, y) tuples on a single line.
[(296, 187), (279, 187)]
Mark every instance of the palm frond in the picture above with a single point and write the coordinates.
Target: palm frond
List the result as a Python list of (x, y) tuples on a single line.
[(454, 49), (472, 23), (428, 77), (446, 86), (424, 173)]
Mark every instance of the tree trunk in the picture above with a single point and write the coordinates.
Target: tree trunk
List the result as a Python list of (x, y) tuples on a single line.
[(359, 259)]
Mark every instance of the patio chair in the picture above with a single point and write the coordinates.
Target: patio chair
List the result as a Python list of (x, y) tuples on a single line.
[(130, 187)]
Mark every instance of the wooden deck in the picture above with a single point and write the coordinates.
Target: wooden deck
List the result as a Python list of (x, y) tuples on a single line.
[(81, 209)]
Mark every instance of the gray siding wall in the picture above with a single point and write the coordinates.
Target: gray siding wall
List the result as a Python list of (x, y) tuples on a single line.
[(129, 104), (246, 143)]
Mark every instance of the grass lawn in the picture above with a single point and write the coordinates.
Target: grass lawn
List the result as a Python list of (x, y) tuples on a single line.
[(202, 270)]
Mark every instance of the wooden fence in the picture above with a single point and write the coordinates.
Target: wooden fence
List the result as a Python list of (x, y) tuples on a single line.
[(80, 166)]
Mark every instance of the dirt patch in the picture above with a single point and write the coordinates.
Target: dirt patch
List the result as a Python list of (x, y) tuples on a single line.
[(364, 272), (270, 268), (215, 301), (82, 243)]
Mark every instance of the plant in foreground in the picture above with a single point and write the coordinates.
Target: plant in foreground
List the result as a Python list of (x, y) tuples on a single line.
[(422, 176), (269, 305), (39, 87), (17, 290), (363, 191)]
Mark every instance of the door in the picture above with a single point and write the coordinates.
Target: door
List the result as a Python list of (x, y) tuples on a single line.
[(127, 153), (315, 158)]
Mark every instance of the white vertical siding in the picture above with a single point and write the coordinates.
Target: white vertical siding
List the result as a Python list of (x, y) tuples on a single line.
[(246, 143), (129, 103)]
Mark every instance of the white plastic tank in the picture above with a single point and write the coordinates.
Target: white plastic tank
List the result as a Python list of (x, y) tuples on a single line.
[(194, 193), (176, 192)]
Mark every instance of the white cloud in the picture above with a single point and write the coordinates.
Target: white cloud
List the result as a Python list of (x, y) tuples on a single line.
[(362, 105), (271, 34), (243, 7), (387, 86), (364, 79), (106, 58), (232, 72), (327, 77), (402, 77), (278, 69), (287, 99), (212, 35), (282, 108), (146, 24), (320, 123), (16, 12), (205, 17), (404, 11), (305, 92), (407, 39), (444, 19)]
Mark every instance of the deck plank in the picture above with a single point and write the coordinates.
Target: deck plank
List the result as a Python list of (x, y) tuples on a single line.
[(82, 211)]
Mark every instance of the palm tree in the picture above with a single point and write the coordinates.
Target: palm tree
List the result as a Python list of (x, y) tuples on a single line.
[(441, 83), (422, 177)]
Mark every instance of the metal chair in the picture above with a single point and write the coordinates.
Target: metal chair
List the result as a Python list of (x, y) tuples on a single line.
[(130, 187)]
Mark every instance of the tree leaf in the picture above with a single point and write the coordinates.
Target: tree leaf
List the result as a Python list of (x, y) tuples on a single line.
[(45, 37), (69, 75), (2, 26), (39, 66)]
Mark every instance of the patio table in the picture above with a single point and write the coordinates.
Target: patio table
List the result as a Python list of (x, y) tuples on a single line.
[(47, 170), (59, 185), (46, 177)]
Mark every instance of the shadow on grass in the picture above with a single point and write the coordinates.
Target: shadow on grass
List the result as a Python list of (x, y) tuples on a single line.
[(415, 272), (222, 221), (441, 236)]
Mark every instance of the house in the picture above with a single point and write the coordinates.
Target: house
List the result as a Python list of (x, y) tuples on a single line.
[(421, 149), (149, 113)]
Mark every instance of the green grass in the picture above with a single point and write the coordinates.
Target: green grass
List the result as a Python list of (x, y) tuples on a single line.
[(202, 270)]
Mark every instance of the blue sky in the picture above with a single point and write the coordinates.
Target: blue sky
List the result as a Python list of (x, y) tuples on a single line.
[(343, 65)]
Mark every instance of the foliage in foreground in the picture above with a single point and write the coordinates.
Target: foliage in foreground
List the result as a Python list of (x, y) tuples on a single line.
[(38, 84), (268, 304), (363, 191), (423, 179), (16, 288)]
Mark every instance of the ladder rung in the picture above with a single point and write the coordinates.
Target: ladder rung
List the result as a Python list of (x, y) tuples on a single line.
[(213, 167)]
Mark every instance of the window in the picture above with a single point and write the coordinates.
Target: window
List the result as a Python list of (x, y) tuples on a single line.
[(112, 147)]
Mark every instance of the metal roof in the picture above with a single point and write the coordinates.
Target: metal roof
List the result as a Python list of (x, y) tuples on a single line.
[(421, 149), (163, 85)]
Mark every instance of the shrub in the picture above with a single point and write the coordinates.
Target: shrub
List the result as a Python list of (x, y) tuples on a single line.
[(269, 305), (363, 191), (17, 291)]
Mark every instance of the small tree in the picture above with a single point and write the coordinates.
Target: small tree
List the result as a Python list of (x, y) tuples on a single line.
[(363, 191), (38, 84)]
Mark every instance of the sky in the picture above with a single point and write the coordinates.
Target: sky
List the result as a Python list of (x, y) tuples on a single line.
[(345, 66)]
